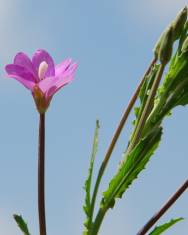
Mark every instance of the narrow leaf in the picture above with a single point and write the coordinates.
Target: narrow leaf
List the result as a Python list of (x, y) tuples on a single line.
[(162, 228), (22, 224), (87, 187), (134, 164)]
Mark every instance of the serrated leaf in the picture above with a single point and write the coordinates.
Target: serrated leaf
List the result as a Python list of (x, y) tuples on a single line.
[(162, 228), (176, 74), (22, 224), (129, 170), (87, 187)]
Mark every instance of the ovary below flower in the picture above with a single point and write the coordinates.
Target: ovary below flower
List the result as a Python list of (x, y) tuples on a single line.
[(41, 76)]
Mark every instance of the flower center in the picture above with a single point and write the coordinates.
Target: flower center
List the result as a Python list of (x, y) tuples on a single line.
[(42, 70)]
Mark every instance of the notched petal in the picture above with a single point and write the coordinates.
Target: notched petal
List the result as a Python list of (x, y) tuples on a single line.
[(62, 67)]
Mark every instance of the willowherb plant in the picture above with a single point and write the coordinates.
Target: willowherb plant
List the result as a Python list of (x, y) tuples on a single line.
[(156, 102), (157, 99)]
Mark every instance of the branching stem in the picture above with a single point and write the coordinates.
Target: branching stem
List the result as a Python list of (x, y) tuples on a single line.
[(166, 206)]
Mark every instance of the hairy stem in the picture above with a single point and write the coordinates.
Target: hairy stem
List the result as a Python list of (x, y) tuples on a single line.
[(41, 176), (116, 136), (165, 207)]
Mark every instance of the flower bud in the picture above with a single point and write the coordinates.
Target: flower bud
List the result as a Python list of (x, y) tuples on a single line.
[(177, 27), (166, 46), (179, 22), (185, 45), (157, 46)]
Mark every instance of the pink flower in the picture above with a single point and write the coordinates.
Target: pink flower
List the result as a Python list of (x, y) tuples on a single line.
[(41, 76)]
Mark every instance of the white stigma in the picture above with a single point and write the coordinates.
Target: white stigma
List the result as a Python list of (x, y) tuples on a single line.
[(42, 70)]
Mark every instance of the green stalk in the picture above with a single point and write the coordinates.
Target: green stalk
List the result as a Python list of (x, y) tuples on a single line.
[(147, 108), (98, 221)]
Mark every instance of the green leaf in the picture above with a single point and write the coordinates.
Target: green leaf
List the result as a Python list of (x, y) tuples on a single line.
[(21, 223), (87, 187), (129, 170), (162, 228)]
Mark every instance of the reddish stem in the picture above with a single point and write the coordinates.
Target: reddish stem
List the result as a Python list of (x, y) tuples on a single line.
[(41, 175), (165, 207)]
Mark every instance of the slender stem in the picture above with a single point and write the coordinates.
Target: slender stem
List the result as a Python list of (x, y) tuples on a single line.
[(116, 136), (166, 206), (41, 176), (98, 221), (147, 108)]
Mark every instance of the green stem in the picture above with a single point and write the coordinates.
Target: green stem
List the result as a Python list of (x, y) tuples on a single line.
[(98, 221), (166, 206), (116, 136), (147, 108), (41, 176)]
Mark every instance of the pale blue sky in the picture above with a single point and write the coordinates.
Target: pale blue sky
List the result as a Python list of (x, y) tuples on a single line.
[(112, 41)]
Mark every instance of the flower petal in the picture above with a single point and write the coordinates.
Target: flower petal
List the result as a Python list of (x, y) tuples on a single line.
[(61, 80), (58, 81), (60, 68), (13, 69), (53, 89), (46, 83), (39, 57), (24, 61), (19, 73), (70, 70)]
